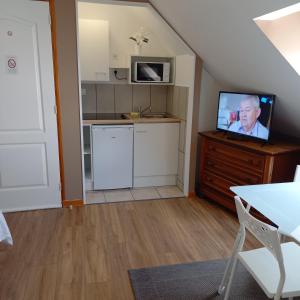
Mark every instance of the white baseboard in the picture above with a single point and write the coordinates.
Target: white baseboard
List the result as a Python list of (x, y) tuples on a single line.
[(5, 210), (154, 180)]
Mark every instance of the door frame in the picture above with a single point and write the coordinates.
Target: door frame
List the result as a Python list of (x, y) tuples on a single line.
[(57, 95)]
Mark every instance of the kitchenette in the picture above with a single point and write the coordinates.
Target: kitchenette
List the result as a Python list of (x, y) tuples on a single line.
[(134, 109)]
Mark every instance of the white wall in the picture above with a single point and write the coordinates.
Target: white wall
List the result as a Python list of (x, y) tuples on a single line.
[(208, 102), (126, 20)]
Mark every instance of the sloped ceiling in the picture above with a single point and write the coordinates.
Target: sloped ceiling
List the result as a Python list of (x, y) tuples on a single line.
[(236, 52)]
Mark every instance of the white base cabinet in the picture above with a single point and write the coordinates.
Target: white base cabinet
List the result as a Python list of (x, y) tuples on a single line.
[(155, 154)]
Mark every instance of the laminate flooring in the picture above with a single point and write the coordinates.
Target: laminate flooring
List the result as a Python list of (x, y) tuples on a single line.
[(84, 253)]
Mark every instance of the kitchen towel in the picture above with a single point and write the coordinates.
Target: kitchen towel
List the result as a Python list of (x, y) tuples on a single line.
[(5, 235)]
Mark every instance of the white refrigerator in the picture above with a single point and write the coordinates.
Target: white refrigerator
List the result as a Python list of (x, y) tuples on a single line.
[(112, 153)]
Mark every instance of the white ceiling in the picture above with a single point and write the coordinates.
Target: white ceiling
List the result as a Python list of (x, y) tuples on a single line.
[(236, 53)]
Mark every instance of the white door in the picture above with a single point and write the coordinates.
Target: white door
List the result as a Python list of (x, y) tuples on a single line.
[(29, 163)]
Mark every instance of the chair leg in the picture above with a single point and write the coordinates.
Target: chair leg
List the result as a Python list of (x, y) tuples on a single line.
[(228, 287), (229, 265)]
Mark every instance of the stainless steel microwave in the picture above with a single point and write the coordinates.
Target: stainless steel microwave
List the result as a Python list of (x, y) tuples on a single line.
[(151, 72)]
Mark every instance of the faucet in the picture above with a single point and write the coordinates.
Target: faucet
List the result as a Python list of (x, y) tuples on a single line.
[(145, 109)]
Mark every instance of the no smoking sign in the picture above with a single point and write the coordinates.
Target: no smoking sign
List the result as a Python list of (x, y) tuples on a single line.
[(11, 64)]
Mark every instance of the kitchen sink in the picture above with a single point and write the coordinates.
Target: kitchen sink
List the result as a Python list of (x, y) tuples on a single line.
[(155, 115)]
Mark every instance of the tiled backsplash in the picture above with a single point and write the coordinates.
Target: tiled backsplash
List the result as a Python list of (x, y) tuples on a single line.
[(124, 98)]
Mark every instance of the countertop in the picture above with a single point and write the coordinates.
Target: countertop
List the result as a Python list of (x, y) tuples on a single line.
[(114, 119)]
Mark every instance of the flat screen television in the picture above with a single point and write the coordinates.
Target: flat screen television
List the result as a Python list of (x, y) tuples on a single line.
[(245, 114)]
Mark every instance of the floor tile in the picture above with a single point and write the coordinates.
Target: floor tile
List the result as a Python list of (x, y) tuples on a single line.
[(145, 193), (169, 192), (95, 197), (118, 195)]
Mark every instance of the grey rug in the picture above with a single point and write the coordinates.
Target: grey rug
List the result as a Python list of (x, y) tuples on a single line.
[(193, 281)]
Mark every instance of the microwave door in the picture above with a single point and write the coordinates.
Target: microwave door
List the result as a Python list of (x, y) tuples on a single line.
[(149, 72)]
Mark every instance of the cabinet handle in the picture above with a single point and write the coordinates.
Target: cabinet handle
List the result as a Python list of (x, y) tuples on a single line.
[(209, 179), (141, 131)]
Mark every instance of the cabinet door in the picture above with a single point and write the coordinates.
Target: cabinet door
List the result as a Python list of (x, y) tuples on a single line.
[(112, 156), (94, 50), (156, 149)]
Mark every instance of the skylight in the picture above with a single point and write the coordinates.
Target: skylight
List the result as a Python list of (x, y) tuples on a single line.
[(277, 14), (282, 28)]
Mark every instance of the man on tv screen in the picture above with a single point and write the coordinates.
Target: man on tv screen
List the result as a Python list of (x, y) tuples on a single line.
[(249, 111)]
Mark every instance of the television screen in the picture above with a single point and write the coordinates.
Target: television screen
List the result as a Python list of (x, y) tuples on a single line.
[(245, 114)]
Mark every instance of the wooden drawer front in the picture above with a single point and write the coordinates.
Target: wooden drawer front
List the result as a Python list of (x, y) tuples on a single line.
[(218, 183), (218, 197), (249, 160), (231, 172)]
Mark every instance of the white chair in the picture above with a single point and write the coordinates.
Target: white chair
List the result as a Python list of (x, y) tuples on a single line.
[(275, 267), (5, 235), (297, 174)]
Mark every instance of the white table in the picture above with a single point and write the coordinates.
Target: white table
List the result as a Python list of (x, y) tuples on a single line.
[(279, 202)]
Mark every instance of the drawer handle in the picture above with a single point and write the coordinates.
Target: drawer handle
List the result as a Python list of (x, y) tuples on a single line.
[(254, 163), (249, 180)]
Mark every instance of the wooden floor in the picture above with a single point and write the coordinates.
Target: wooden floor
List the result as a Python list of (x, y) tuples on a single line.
[(85, 253)]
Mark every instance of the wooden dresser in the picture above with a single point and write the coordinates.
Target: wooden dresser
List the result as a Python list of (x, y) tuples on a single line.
[(224, 162)]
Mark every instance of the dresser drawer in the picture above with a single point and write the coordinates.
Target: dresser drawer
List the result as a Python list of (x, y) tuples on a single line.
[(233, 173), (235, 156), (219, 197), (218, 183)]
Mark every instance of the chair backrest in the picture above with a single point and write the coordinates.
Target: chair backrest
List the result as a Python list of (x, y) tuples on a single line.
[(266, 234), (297, 174)]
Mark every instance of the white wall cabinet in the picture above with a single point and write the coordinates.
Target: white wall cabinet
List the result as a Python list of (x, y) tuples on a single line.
[(94, 50), (155, 154)]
